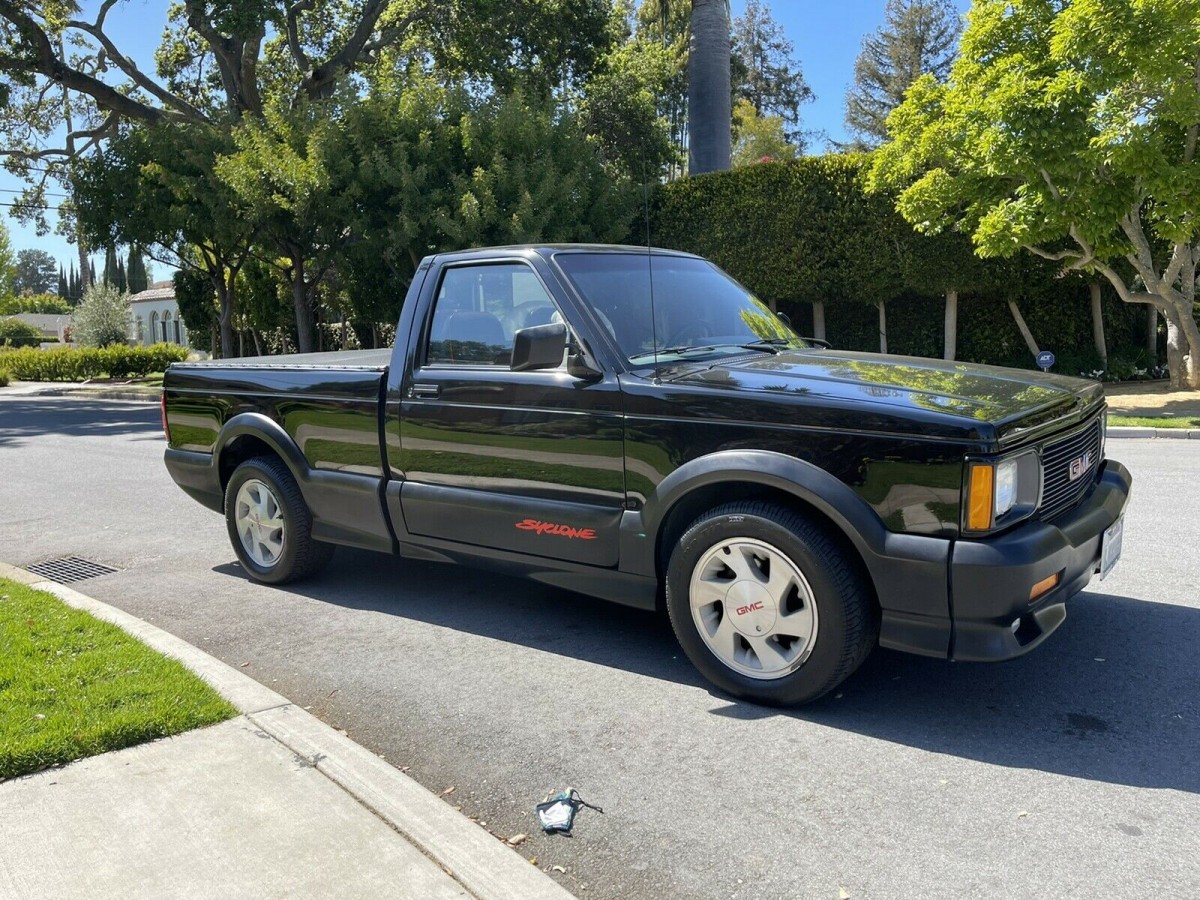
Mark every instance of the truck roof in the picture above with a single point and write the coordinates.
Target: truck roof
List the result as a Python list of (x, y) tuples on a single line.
[(547, 250)]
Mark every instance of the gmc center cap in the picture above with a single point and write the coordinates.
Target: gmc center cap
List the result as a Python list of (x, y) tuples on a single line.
[(753, 613)]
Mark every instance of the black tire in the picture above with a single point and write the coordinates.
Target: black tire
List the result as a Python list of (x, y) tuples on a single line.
[(846, 626), (300, 555)]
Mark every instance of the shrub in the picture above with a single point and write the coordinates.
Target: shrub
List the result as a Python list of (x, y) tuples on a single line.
[(3, 377), (103, 318), (18, 334), (70, 364), (805, 231)]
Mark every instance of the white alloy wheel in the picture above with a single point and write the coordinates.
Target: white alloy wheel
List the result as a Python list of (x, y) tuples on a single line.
[(258, 519), (753, 608)]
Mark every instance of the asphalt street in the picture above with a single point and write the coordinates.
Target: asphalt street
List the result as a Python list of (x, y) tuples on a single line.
[(1072, 772)]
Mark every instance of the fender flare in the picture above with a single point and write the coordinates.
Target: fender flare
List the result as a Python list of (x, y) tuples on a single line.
[(806, 482), (270, 432), (909, 571)]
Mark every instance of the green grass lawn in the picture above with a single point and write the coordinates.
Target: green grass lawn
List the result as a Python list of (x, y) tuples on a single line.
[(1155, 421), (73, 686)]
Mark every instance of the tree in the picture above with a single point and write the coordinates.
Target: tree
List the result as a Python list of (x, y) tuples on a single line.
[(135, 271), (758, 138), (710, 111), (102, 318), (621, 108), (8, 265), (156, 186), (64, 289), (112, 269), (48, 304), (709, 95), (35, 272), (297, 189), (666, 26), (767, 75), (918, 37), (1070, 131), (197, 302)]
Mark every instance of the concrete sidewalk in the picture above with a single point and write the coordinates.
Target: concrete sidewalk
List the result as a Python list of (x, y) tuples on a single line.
[(273, 803)]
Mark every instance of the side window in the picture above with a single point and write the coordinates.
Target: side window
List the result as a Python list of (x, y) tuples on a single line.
[(477, 310)]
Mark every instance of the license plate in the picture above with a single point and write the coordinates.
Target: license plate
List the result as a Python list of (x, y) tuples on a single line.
[(1110, 547)]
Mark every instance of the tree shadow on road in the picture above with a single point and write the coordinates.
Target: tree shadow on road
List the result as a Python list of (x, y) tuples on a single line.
[(1111, 697), (21, 420)]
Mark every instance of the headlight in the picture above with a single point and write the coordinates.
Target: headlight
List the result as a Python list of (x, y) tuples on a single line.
[(1006, 486), (1001, 492)]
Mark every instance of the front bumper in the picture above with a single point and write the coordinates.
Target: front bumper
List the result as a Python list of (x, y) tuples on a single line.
[(990, 580)]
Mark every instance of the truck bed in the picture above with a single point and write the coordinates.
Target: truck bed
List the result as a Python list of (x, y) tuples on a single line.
[(366, 360)]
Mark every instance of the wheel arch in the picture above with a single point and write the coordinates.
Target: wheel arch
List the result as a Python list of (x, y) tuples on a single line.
[(760, 475), (248, 435), (907, 574)]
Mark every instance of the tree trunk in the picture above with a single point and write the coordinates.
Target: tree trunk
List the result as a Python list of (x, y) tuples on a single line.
[(258, 350), (1152, 333), (1183, 348), (1098, 323), (241, 336), (883, 328), (709, 100), (1025, 332), (819, 320), (950, 334), (225, 317), (301, 294)]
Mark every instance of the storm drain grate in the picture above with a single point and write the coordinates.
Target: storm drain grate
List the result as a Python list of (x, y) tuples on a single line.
[(70, 569)]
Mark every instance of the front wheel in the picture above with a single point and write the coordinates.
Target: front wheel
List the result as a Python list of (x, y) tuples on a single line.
[(269, 523), (767, 606)]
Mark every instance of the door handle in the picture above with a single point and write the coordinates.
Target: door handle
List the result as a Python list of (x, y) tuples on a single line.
[(425, 390)]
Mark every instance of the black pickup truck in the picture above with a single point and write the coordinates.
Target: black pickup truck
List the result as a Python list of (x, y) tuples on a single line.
[(635, 425)]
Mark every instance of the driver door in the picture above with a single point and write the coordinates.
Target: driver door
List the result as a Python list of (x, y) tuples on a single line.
[(529, 462)]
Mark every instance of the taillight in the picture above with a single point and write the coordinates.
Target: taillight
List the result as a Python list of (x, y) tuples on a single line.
[(162, 405)]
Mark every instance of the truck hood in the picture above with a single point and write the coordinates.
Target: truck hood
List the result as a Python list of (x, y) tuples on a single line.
[(1012, 400)]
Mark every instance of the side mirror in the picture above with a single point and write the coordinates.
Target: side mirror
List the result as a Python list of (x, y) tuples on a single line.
[(539, 347)]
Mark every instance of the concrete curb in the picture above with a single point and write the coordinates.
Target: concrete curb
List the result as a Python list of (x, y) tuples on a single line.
[(1125, 431), (26, 389), (105, 394), (476, 860)]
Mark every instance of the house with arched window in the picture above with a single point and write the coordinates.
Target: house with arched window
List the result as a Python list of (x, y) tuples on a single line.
[(156, 316)]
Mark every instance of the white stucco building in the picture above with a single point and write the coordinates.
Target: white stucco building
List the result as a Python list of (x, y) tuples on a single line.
[(156, 316)]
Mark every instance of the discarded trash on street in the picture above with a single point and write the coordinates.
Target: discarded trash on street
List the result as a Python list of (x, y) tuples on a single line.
[(557, 813)]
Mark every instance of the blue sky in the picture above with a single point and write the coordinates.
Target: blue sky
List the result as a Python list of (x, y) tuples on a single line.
[(827, 38)]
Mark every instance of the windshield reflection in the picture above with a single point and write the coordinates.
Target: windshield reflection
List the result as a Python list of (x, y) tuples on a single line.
[(695, 311)]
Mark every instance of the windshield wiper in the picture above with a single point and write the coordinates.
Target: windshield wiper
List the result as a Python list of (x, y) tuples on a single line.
[(770, 345)]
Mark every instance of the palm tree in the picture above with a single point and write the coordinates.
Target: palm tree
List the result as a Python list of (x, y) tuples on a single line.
[(709, 108), (709, 112)]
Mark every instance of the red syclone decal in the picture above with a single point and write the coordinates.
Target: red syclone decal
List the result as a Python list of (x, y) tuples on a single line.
[(567, 531)]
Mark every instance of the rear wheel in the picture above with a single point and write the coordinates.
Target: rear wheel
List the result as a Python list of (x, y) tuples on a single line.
[(270, 525), (767, 606)]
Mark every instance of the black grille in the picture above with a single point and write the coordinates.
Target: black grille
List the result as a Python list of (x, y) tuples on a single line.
[(1059, 491), (70, 569)]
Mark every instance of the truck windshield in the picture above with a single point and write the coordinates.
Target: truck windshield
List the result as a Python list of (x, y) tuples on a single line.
[(698, 310)]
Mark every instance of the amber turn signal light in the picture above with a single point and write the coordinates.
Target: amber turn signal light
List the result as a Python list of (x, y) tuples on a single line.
[(980, 490), (1045, 586)]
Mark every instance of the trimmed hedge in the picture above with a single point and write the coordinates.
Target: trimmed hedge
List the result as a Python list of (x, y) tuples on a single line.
[(16, 333), (77, 364), (803, 231)]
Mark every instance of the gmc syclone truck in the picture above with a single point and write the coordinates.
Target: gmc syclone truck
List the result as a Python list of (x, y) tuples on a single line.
[(635, 425)]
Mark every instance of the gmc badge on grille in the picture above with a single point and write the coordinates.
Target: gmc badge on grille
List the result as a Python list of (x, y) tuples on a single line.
[(1080, 466)]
